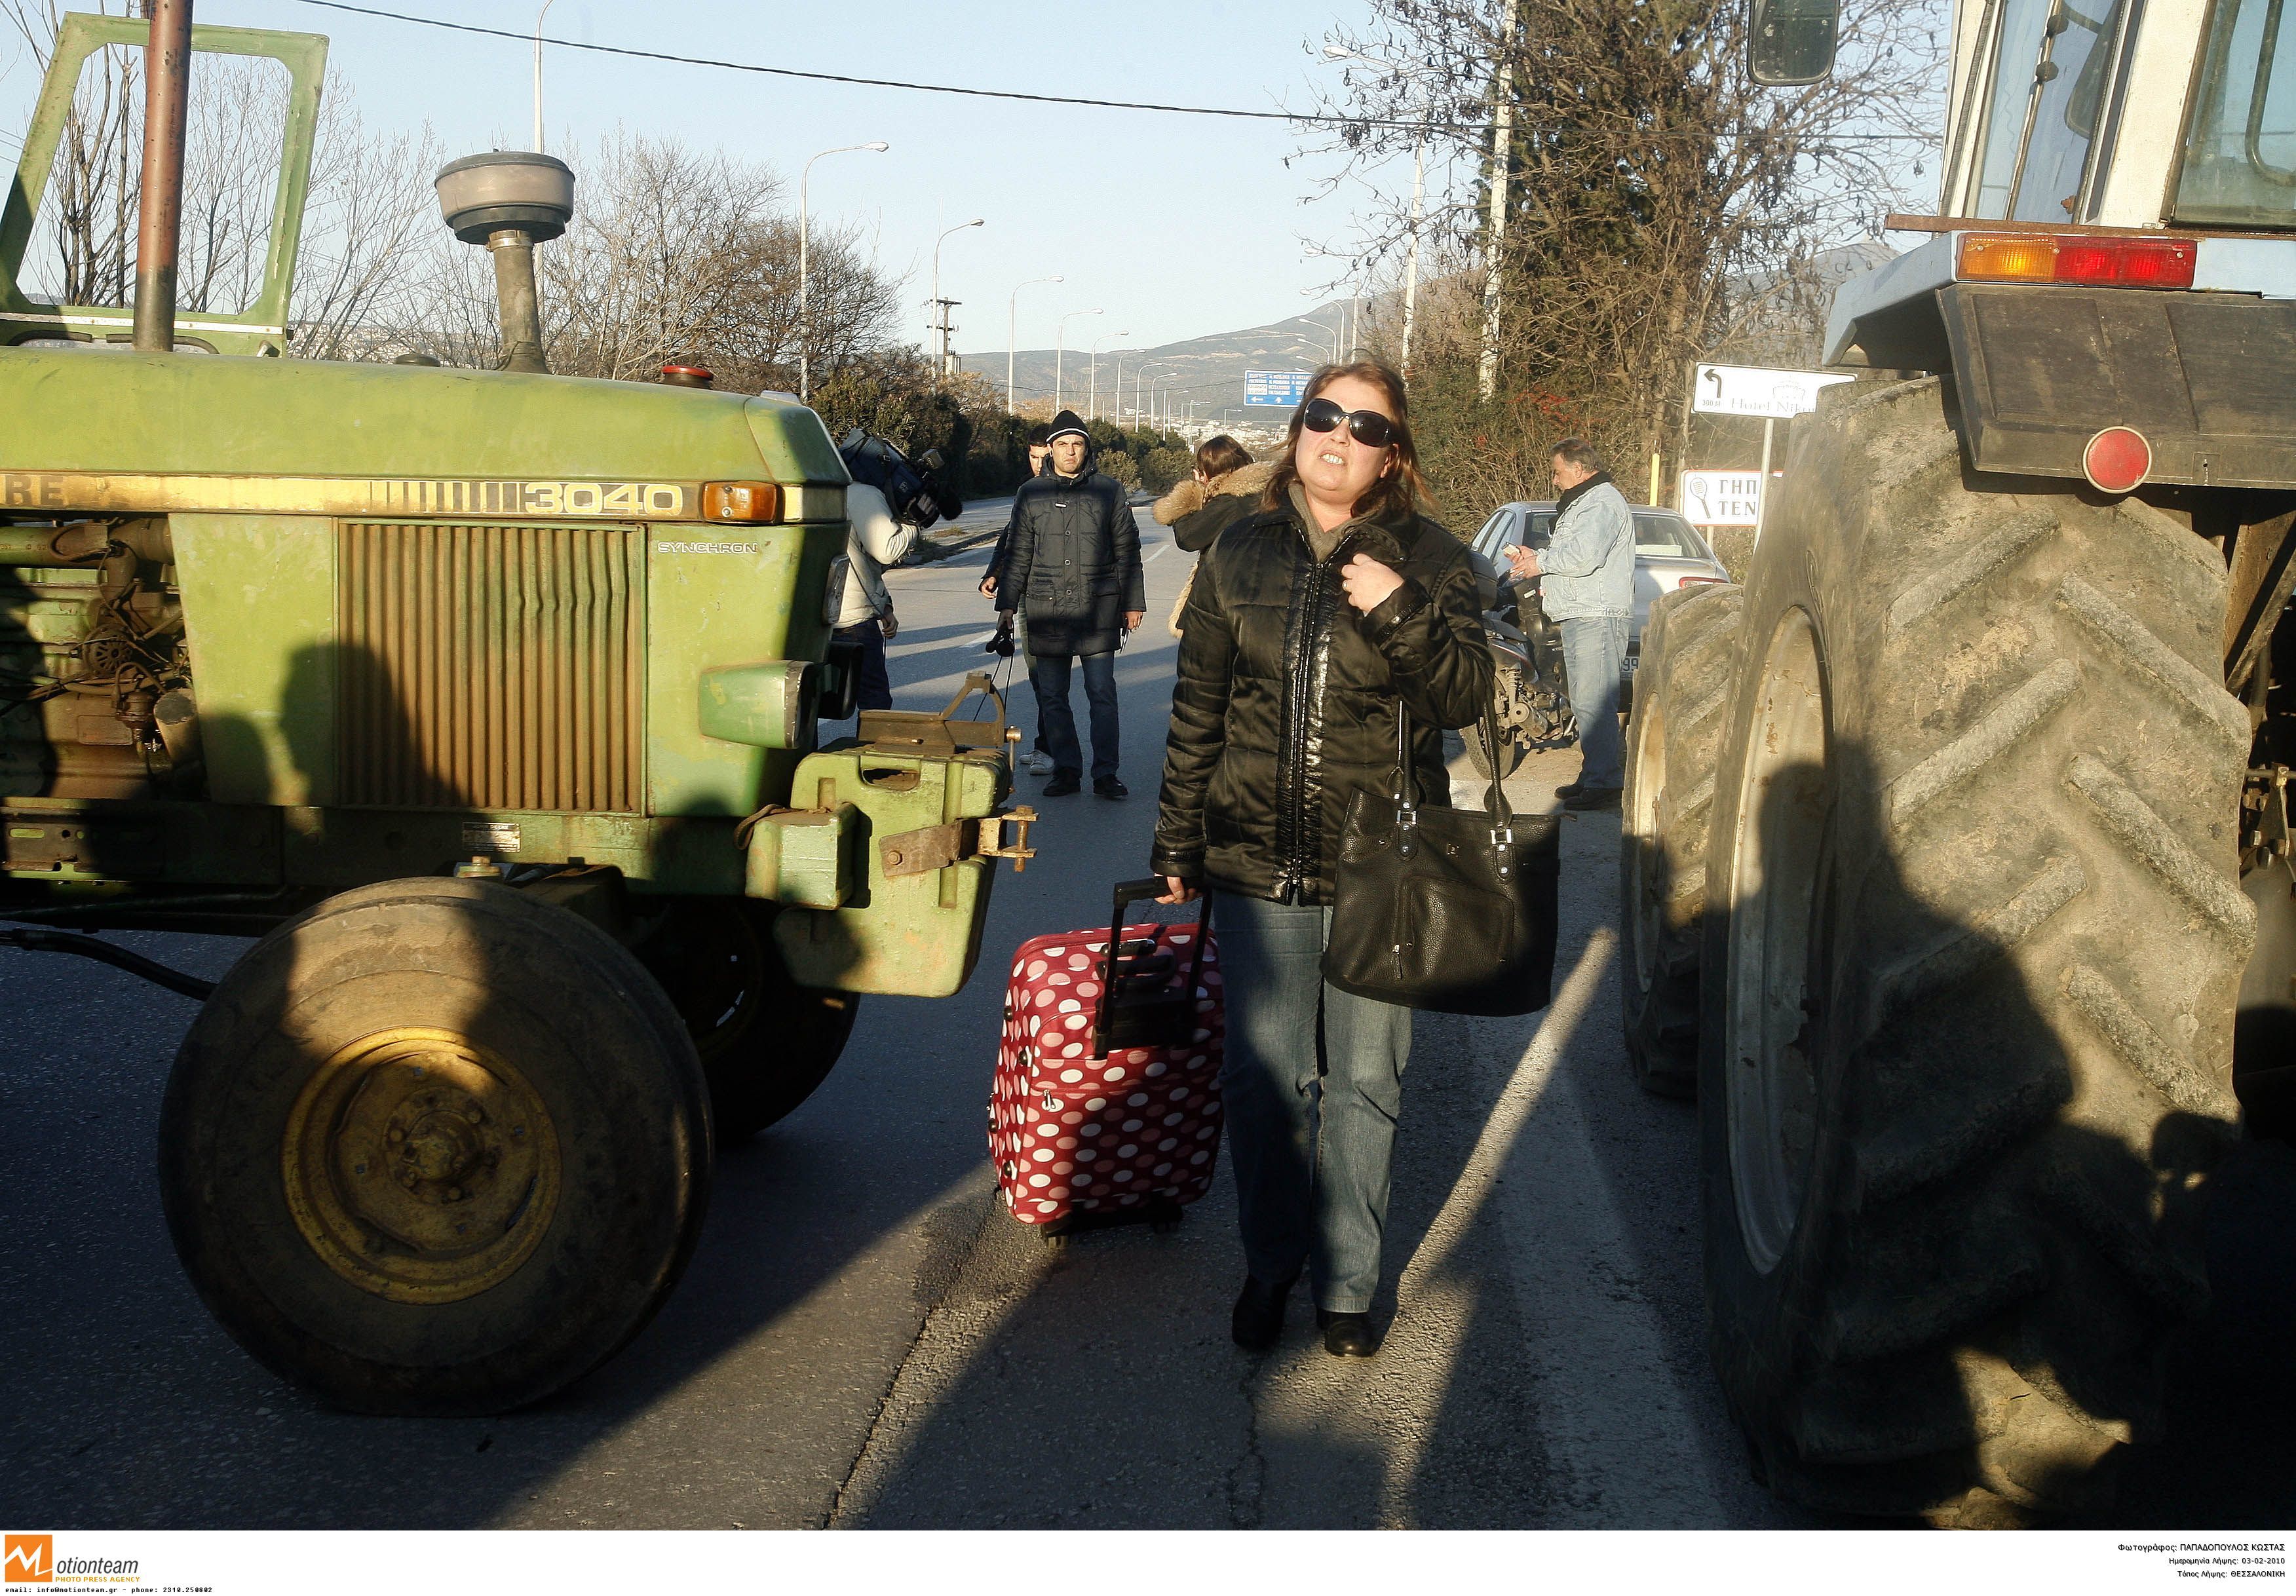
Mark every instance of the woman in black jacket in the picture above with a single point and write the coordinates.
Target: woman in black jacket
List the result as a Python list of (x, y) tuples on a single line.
[(1313, 623)]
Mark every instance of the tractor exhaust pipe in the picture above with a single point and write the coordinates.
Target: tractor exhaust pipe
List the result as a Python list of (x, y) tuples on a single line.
[(159, 221), (510, 201)]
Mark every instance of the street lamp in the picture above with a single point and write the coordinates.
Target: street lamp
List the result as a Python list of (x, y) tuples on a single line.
[(1093, 407), (938, 308), (804, 319), (1139, 372), (1418, 200), (544, 12), (1060, 348), (1011, 310), (1320, 327)]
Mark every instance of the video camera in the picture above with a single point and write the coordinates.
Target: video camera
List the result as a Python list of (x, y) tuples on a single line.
[(912, 489)]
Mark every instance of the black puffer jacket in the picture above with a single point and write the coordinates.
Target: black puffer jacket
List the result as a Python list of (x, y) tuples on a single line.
[(1074, 560), (1286, 700)]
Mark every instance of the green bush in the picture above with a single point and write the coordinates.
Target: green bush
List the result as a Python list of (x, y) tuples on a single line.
[(1165, 465)]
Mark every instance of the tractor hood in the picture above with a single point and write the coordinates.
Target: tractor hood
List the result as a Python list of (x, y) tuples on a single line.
[(94, 410)]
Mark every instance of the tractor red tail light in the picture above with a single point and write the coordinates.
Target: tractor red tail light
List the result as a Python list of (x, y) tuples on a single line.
[(742, 502), (2116, 460), (2128, 262), (2067, 258)]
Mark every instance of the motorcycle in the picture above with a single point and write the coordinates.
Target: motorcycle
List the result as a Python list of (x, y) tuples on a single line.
[(1531, 685)]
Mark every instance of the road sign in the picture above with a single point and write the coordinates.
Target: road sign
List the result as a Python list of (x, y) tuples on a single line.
[(1275, 388), (1758, 390), (1722, 498)]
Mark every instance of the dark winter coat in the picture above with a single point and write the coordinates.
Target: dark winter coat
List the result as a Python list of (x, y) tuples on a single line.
[(1285, 704), (1073, 560)]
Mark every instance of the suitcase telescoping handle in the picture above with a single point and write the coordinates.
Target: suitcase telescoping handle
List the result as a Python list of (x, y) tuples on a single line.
[(1129, 893)]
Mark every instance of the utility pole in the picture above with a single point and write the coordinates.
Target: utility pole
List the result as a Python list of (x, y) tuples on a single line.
[(940, 304), (1487, 375)]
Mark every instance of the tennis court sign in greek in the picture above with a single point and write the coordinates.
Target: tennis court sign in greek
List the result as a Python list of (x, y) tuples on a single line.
[(1284, 389)]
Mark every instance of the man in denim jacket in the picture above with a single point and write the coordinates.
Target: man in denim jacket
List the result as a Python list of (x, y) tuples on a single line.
[(1589, 592)]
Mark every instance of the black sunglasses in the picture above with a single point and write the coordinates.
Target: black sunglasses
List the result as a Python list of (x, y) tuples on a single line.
[(1367, 427)]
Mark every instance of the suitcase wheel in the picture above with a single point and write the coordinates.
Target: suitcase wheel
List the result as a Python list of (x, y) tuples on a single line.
[(1164, 1217), (1055, 1240)]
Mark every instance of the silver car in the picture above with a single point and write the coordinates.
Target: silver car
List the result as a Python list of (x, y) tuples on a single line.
[(1669, 552)]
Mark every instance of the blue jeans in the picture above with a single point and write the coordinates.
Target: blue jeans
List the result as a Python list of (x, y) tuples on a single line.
[(1311, 1150), (1594, 651), (1048, 674)]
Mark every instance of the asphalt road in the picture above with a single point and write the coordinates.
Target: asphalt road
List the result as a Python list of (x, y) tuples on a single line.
[(864, 1340)]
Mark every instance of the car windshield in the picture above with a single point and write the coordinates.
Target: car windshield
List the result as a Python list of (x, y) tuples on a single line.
[(2239, 157)]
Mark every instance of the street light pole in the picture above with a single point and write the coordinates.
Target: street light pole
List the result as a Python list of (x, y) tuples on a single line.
[(1060, 349), (1093, 409), (940, 310), (1011, 311), (544, 12), (804, 314), (1320, 327)]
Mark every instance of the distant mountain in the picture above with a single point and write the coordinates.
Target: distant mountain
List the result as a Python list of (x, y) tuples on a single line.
[(1208, 370)]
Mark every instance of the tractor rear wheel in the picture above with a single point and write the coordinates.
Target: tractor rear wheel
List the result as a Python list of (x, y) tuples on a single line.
[(435, 1148), (765, 1042), (1689, 657), (1970, 950)]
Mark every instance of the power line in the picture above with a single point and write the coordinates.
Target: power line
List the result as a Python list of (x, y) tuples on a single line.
[(1302, 119)]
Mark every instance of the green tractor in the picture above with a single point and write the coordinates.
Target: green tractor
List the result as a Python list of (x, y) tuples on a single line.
[(488, 701), (1957, 867)]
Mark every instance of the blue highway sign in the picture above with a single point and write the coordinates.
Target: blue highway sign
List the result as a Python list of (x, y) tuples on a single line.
[(1284, 389)]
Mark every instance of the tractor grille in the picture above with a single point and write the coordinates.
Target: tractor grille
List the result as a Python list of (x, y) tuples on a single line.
[(490, 668)]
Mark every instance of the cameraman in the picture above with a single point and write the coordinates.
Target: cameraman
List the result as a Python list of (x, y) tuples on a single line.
[(873, 540)]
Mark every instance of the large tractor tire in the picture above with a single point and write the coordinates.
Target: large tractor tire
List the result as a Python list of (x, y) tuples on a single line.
[(435, 1148), (1689, 660), (765, 1042), (1971, 943)]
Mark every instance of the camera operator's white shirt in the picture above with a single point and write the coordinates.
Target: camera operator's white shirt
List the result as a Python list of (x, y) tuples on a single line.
[(874, 541)]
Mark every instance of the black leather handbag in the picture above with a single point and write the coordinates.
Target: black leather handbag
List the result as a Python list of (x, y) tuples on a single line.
[(1451, 910)]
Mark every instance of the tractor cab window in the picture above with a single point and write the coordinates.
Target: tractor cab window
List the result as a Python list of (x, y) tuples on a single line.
[(2240, 152), (2051, 65)]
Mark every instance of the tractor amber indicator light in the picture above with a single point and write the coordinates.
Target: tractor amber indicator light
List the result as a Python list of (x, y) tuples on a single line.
[(2008, 257), (2116, 460), (741, 502)]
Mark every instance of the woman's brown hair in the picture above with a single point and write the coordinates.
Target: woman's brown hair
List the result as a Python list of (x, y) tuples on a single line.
[(1218, 456), (1402, 491)]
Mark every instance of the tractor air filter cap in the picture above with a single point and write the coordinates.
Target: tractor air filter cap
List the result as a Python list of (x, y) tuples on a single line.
[(480, 195)]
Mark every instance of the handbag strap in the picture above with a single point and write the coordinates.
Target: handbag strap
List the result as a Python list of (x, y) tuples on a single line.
[(1406, 789)]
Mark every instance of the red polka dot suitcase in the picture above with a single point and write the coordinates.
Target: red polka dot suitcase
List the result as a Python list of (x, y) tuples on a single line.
[(1106, 1107)]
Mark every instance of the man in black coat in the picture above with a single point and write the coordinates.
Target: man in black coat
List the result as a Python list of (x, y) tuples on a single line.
[(1073, 560)]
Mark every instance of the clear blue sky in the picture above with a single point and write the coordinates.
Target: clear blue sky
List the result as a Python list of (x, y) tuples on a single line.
[(1178, 226)]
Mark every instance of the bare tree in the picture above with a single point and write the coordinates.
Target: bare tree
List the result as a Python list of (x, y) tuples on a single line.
[(1660, 203)]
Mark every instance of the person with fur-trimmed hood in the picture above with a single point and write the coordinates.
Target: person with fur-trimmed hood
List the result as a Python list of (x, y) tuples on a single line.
[(1074, 561), (1224, 489)]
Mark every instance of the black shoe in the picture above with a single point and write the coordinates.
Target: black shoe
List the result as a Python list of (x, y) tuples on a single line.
[(1065, 782), (1257, 1321), (1571, 789), (1347, 1335), (1592, 797), (1109, 787)]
